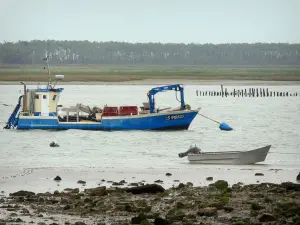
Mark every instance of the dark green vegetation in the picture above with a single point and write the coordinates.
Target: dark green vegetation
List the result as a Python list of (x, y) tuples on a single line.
[(118, 61), (121, 53)]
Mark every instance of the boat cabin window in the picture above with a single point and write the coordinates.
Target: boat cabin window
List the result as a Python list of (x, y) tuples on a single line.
[(37, 97), (44, 96), (54, 97)]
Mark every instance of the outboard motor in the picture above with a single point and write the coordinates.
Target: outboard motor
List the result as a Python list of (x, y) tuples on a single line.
[(192, 149)]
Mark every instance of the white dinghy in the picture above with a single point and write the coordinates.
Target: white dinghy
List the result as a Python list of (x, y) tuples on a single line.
[(195, 155)]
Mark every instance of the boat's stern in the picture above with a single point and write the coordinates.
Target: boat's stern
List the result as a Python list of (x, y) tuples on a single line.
[(37, 110)]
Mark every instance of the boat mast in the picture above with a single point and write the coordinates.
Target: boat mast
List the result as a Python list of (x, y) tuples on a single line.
[(48, 68), (49, 80)]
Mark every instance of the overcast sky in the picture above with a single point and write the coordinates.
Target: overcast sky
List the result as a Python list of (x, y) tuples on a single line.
[(180, 21)]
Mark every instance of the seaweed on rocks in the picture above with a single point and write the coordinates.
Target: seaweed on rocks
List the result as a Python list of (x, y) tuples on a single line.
[(217, 203)]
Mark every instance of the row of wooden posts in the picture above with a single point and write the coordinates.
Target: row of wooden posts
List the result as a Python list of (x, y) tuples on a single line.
[(251, 92)]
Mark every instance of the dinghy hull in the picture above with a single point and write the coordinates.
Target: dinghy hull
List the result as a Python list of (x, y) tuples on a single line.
[(232, 157)]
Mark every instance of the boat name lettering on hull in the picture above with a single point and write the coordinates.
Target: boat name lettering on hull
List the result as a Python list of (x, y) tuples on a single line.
[(174, 117)]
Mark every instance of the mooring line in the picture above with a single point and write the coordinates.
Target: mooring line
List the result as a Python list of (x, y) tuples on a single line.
[(285, 153)]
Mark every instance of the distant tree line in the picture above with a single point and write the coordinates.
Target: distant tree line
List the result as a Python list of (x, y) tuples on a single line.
[(122, 53)]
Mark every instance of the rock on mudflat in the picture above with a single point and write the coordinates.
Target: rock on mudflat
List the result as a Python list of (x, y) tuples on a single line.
[(53, 144), (148, 188), (189, 184), (138, 219), (208, 211), (57, 178), (220, 185), (81, 182), (161, 221), (98, 191), (22, 193), (259, 174), (266, 218), (158, 181), (209, 178), (289, 186), (168, 174), (122, 182), (79, 223)]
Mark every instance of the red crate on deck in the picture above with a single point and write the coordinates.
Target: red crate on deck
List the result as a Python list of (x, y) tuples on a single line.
[(110, 111), (128, 110)]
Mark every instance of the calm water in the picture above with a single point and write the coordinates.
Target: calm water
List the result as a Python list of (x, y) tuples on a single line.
[(257, 122)]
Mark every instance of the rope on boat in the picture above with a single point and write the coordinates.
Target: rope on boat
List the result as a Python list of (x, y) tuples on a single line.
[(5, 104), (209, 118), (284, 153), (223, 126)]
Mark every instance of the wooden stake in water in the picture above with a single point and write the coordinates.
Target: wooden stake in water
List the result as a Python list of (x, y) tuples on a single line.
[(222, 90)]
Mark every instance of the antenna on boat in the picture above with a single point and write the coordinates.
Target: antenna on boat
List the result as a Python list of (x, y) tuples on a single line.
[(48, 67), (58, 77)]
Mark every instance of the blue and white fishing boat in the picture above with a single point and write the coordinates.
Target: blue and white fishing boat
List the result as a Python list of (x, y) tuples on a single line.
[(40, 110)]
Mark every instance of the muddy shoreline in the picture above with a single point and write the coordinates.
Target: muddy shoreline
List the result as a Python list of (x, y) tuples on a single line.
[(40, 179), (142, 203)]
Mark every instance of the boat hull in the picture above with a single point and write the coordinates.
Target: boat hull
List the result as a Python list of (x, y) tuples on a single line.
[(238, 158), (179, 120)]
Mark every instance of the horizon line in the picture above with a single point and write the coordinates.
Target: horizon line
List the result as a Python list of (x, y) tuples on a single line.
[(128, 42)]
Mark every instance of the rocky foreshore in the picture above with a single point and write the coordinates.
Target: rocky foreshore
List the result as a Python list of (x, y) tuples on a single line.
[(146, 204)]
